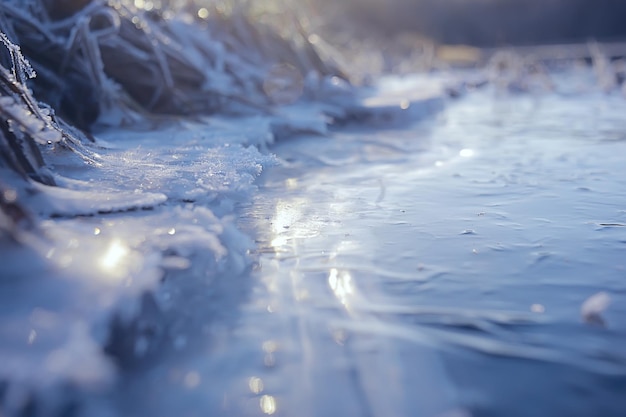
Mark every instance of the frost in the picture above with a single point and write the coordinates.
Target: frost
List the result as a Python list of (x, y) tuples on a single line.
[(22, 68), (21, 118)]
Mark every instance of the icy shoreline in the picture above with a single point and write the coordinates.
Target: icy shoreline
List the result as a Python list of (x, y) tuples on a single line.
[(130, 252), (133, 247), (108, 242)]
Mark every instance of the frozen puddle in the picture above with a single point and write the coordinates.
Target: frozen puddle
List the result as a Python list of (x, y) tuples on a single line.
[(467, 266)]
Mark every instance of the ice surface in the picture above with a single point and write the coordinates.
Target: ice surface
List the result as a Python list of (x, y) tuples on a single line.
[(448, 264), (403, 270)]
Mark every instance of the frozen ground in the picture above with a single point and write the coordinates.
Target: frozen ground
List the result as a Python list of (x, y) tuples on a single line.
[(464, 261)]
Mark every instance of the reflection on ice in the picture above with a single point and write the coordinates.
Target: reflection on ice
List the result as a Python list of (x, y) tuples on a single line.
[(435, 314), (287, 213), (341, 284), (289, 222), (268, 404), (256, 385), (291, 183), (466, 153), (112, 260)]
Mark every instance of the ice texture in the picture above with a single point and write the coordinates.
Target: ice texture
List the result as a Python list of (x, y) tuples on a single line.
[(132, 278)]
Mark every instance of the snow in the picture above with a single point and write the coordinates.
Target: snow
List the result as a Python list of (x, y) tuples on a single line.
[(152, 205), (139, 237), (388, 264)]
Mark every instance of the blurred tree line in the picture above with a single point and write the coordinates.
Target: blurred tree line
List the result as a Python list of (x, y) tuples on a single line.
[(488, 22)]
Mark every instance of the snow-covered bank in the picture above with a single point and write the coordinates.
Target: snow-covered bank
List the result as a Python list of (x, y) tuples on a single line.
[(131, 253), (120, 247), (80, 298), (137, 254)]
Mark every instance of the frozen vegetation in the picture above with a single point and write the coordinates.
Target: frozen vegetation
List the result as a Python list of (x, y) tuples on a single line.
[(145, 273)]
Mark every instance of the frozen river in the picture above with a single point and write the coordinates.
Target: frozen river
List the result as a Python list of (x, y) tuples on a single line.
[(464, 260), (471, 264), (241, 232)]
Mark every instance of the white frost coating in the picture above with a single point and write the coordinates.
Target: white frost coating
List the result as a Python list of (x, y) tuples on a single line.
[(23, 66), (141, 227), (58, 201), (594, 306), (22, 119)]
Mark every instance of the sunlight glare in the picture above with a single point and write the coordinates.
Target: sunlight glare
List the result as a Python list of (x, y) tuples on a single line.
[(341, 284), (268, 404), (114, 255), (286, 215), (466, 153), (203, 13), (256, 385)]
